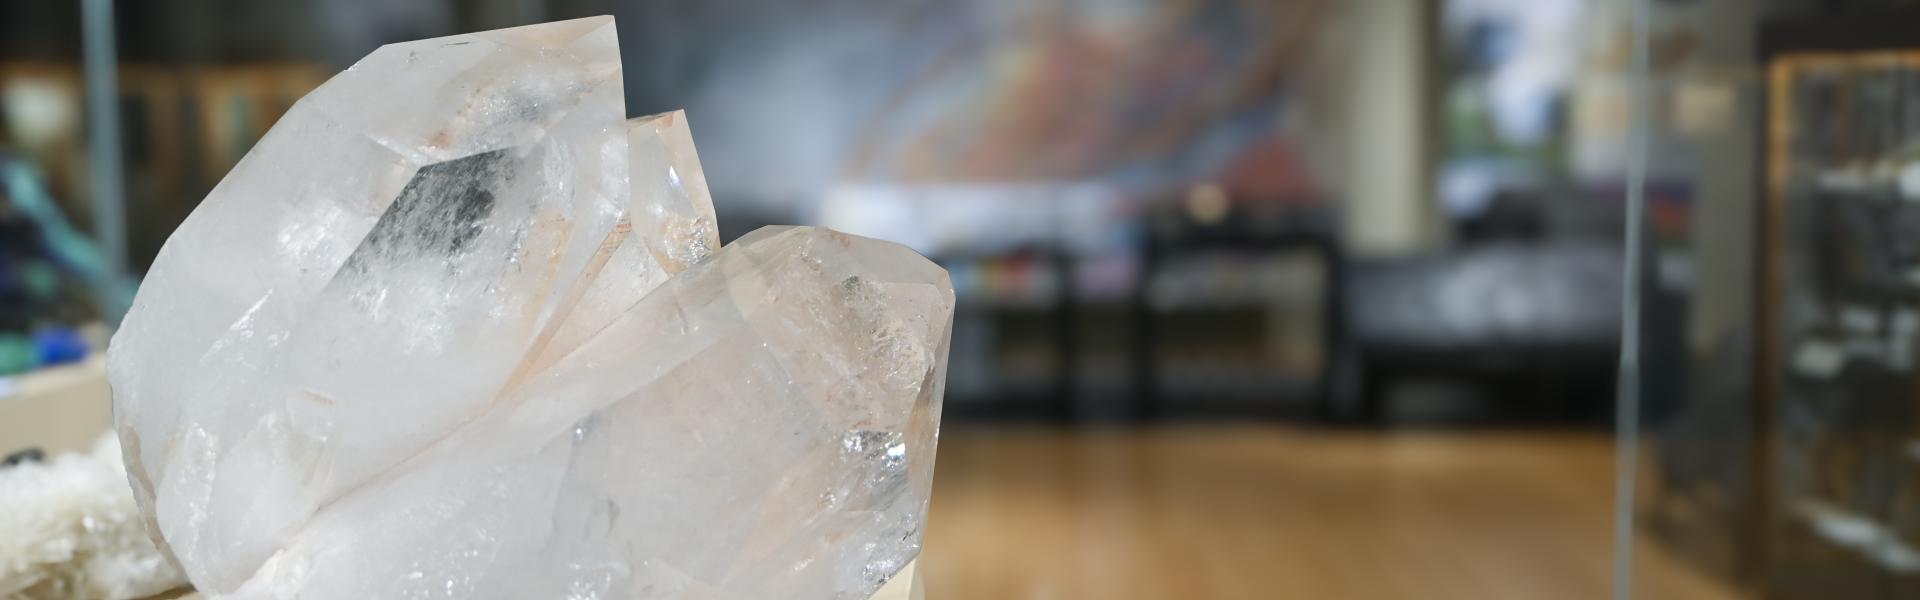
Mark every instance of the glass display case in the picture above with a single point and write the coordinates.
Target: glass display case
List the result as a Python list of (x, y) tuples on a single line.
[(1791, 460), (1840, 310)]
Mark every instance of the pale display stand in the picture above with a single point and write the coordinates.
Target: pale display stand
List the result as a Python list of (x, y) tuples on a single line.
[(905, 586)]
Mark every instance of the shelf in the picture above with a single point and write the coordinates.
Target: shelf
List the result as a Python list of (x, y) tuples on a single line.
[(1867, 538), (1007, 304), (56, 409)]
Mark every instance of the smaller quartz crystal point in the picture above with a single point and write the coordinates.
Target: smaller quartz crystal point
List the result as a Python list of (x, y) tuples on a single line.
[(676, 220), (455, 329), (667, 225)]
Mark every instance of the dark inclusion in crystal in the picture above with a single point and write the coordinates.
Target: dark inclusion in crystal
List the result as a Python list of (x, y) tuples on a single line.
[(440, 210)]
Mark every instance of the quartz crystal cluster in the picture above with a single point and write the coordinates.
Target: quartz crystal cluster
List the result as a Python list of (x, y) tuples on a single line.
[(456, 329)]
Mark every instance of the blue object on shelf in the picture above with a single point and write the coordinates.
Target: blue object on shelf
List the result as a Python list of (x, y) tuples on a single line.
[(59, 345)]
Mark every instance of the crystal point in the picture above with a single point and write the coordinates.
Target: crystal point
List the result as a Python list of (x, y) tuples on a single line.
[(455, 329)]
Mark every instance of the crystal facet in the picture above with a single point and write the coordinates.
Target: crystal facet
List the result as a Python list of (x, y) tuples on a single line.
[(454, 329)]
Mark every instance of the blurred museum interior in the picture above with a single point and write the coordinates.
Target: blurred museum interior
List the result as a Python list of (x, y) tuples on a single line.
[(1257, 298)]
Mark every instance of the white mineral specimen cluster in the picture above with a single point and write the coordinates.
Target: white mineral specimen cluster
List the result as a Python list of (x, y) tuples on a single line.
[(456, 329)]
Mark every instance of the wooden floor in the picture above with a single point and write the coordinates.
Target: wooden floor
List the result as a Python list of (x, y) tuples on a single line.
[(1267, 512)]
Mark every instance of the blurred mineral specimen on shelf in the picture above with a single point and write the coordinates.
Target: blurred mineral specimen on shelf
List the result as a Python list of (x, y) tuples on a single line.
[(454, 329)]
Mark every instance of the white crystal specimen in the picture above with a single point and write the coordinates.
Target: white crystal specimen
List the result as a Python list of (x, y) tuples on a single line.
[(453, 329)]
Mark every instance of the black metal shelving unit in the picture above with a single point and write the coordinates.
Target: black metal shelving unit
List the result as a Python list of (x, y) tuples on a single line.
[(1166, 386)]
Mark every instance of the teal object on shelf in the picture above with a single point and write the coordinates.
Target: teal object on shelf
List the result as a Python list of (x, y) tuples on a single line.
[(68, 248), (17, 354)]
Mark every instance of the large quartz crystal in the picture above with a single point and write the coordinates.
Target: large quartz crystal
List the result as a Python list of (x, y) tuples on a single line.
[(454, 329)]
